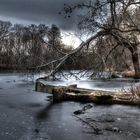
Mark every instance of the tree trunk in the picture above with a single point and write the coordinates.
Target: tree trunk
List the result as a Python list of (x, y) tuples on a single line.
[(135, 60), (134, 52)]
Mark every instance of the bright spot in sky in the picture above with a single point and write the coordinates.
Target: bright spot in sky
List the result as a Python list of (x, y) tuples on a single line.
[(70, 39)]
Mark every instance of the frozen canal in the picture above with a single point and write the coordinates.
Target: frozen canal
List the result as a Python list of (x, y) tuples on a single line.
[(28, 115)]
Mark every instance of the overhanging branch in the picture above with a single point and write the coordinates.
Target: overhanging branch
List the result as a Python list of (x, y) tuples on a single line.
[(64, 58)]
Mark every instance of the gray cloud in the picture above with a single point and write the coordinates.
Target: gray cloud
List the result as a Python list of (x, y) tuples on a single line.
[(38, 11)]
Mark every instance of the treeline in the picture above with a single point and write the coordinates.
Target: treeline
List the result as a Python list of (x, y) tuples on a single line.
[(40, 47), (25, 47)]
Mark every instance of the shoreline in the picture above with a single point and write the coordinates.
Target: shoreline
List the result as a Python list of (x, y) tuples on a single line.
[(72, 93)]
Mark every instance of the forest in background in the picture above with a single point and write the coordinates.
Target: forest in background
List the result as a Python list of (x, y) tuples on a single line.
[(113, 45), (23, 47)]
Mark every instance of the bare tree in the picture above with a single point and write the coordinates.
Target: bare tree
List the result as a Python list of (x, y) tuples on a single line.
[(116, 19)]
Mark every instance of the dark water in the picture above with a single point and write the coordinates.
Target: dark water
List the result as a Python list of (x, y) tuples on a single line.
[(28, 115)]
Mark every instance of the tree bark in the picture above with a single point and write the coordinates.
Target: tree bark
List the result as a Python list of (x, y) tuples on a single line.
[(133, 49), (70, 93), (135, 60)]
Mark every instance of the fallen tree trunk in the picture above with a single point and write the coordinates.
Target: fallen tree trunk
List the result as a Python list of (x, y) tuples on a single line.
[(72, 93)]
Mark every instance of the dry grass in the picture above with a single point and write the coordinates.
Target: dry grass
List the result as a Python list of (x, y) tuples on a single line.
[(128, 73), (133, 93)]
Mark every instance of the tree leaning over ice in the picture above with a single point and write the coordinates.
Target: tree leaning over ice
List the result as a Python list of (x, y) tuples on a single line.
[(114, 22)]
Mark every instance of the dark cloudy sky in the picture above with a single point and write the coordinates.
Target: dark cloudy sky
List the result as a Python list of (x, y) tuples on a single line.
[(37, 11)]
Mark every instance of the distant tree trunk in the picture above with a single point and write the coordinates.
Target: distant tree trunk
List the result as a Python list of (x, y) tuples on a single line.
[(133, 48), (135, 60)]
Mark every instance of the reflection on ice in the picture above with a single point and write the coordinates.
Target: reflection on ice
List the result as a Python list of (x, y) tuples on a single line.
[(75, 77), (106, 85)]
